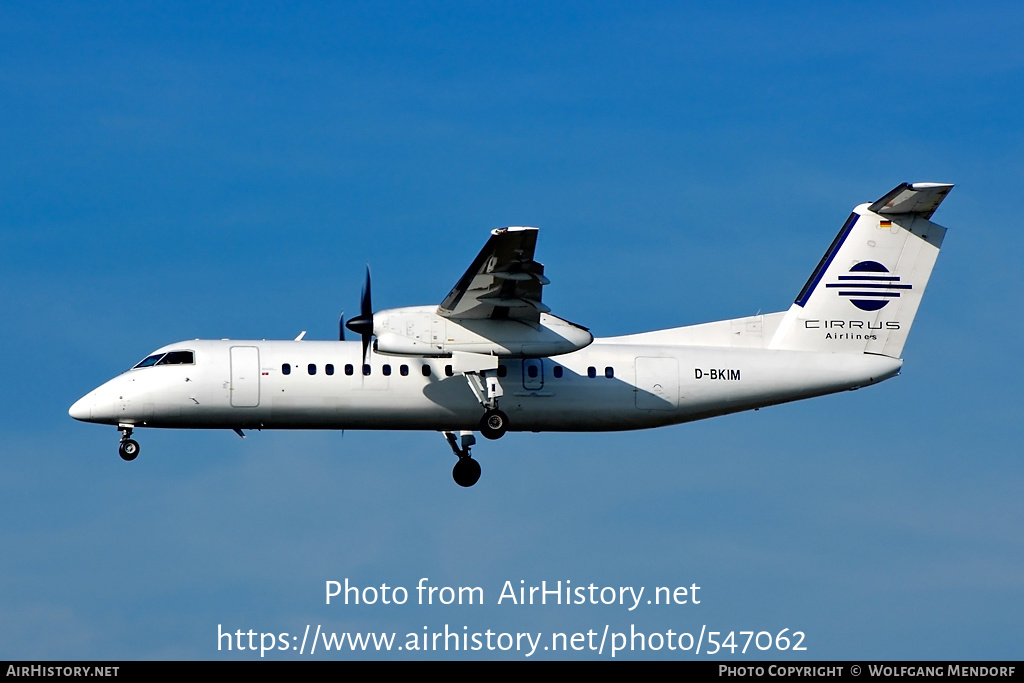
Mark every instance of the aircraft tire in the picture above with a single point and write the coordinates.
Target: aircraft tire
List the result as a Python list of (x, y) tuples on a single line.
[(494, 424), (466, 472), (129, 450)]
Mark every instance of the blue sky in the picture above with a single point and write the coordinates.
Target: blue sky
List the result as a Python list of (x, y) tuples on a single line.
[(176, 170)]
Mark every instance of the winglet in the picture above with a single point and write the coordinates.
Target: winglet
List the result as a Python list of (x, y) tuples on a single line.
[(913, 198)]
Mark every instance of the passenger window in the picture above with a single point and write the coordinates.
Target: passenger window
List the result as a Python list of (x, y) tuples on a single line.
[(591, 372), (609, 373), (366, 369), (329, 369), (502, 370), (312, 368), (557, 372), (448, 371), (387, 370), (404, 370), (349, 369), (286, 369), (532, 371), (426, 370)]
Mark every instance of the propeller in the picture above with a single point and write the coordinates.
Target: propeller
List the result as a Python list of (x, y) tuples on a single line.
[(362, 324)]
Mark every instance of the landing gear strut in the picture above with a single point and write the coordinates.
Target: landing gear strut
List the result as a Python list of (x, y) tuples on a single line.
[(129, 449), (487, 389), (467, 470)]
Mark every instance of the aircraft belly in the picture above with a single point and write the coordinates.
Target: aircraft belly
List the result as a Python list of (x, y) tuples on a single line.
[(359, 412), (582, 406)]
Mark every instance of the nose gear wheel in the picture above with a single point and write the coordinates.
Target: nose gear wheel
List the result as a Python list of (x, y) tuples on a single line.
[(129, 448), (466, 472)]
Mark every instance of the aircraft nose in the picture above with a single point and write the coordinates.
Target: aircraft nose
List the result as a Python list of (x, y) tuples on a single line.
[(82, 408)]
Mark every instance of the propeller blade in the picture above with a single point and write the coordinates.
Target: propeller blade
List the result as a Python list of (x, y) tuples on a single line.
[(341, 326), (366, 309), (362, 324)]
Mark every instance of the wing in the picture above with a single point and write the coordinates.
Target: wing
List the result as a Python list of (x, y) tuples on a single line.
[(503, 283)]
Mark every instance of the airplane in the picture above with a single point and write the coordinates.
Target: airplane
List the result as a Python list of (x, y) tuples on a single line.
[(491, 358)]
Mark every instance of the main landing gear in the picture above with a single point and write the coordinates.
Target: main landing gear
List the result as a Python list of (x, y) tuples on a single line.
[(487, 390), (129, 449), (493, 424)]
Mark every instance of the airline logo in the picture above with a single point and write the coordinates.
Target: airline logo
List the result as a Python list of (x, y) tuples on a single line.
[(869, 286)]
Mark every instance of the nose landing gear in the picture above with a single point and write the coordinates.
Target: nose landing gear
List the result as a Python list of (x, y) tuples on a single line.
[(467, 470), (129, 449)]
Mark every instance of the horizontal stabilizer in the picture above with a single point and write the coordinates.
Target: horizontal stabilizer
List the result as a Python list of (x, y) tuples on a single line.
[(918, 198)]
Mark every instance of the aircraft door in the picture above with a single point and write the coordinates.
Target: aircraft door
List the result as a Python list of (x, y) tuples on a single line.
[(657, 383), (245, 376), (533, 374)]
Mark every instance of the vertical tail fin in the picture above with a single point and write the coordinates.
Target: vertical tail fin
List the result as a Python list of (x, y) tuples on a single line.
[(864, 294)]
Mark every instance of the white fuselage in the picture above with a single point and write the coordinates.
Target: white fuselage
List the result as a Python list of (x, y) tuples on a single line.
[(491, 358), (613, 384)]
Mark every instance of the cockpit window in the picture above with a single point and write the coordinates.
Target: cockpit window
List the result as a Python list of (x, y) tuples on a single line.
[(178, 358), (171, 358), (150, 360)]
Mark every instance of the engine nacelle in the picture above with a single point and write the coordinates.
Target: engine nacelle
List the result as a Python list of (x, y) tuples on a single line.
[(420, 331), (400, 345)]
